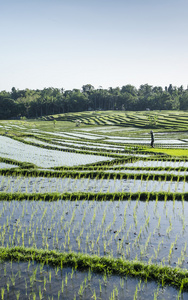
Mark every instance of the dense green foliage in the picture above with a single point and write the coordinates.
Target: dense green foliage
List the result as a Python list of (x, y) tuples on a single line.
[(36, 103)]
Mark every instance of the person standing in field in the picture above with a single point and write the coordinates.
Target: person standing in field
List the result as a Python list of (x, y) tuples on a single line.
[(152, 139)]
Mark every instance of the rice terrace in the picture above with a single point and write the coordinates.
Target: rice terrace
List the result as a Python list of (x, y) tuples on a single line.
[(89, 210)]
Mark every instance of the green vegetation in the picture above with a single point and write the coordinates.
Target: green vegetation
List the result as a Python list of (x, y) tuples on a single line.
[(163, 274), (142, 196), (172, 152), (129, 231), (37, 103)]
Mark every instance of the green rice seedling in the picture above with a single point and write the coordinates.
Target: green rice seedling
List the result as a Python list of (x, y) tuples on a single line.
[(94, 295), (135, 293), (128, 231), (185, 247), (104, 216), (105, 279), (147, 222), (135, 218), (170, 252), (34, 296), (13, 279), (66, 279), (104, 246), (156, 293), (17, 295), (50, 276), (97, 241), (62, 287), (147, 241), (40, 293), (45, 281), (138, 237), (5, 271), (78, 242), (94, 216), (26, 286), (8, 286), (56, 270), (81, 289), (22, 238), (72, 273), (141, 251), (89, 275), (2, 293), (114, 218), (159, 222), (122, 282), (169, 229)]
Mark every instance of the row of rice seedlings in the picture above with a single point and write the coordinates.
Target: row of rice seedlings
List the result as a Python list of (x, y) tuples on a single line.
[(99, 171), (41, 280), (58, 185), (75, 149), (82, 151), (79, 196), (46, 158)]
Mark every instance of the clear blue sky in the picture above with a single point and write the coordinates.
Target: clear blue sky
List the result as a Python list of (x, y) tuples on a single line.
[(108, 43)]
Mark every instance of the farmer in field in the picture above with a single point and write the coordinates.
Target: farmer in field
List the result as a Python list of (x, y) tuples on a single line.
[(152, 139)]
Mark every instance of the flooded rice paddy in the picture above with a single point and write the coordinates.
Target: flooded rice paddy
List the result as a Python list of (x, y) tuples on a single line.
[(37, 281), (12, 184), (13, 149), (151, 231)]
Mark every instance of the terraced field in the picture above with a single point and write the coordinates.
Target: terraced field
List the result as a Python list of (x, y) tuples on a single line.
[(170, 120), (92, 212)]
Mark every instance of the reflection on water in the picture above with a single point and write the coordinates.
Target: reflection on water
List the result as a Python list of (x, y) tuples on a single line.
[(37, 281), (62, 185)]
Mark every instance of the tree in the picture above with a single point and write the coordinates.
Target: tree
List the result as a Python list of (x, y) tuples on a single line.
[(170, 89), (8, 108), (184, 100), (129, 89), (87, 88)]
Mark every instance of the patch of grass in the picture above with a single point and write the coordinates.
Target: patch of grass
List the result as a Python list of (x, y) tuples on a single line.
[(163, 274), (172, 152)]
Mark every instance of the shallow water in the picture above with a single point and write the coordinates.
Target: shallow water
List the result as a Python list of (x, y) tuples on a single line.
[(129, 229), (160, 172), (144, 141), (157, 163), (13, 149), (12, 184), (28, 280), (7, 166), (76, 144)]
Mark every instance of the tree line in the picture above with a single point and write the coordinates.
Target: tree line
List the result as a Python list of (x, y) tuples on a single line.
[(36, 103)]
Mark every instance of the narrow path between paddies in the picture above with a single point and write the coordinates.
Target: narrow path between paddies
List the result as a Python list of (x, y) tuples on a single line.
[(12, 184)]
